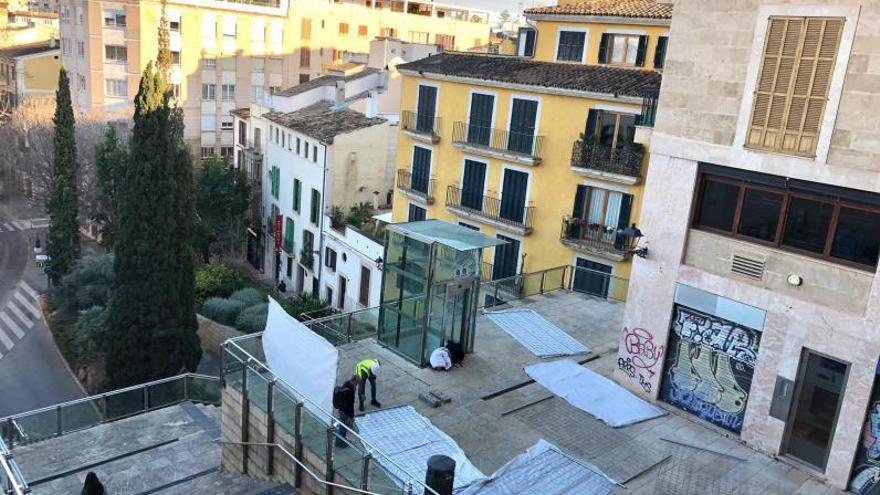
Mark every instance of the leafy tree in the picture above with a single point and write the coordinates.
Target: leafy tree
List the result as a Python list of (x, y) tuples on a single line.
[(63, 247), (87, 284), (216, 280), (151, 321), (505, 16), (110, 159), (90, 332), (222, 198)]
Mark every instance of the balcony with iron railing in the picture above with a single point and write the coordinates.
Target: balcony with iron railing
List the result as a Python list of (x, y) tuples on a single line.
[(645, 122), (416, 186), (526, 149), (488, 209), (594, 238), (623, 165), (420, 126)]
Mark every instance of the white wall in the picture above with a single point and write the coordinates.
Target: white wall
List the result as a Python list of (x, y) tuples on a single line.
[(353, 251)]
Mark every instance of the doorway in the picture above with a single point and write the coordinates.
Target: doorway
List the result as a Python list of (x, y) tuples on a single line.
[(815, 408), (592, 278)]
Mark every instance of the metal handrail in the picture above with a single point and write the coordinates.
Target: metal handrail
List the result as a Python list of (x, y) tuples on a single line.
[(300, 464), (607, 159), (15, 481), (489, 207), (406, 181), (502, 140), (334, 423), (421, 123)]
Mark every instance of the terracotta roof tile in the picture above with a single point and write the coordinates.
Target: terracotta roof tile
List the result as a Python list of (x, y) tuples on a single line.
[(506, 69), (322, 121), (648, 9)]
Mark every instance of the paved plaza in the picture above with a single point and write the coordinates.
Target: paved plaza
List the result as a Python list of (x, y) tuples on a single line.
[(494, 415)]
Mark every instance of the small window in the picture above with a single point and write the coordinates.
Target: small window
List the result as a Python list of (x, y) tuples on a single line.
[(175, 58), (227, 124), (807, 224), (80, 49), (315, 212), (114, 19), (850, 242), (330, 258), (227, 92), (417, 213), (209, 63), (174, 25), (362, 31), (116, 54), (209, 92), (226, 151), (116, 87), (526, 40), (303, 78), (315, 153), (388, 32), (446, 41), (760, 214), (80, 79), (419, 37), (305, 57), (571, 46), (298, 142), (343, 29), (207, 152)]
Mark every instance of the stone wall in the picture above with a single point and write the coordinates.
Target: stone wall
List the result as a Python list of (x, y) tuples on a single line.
[(213, 334)]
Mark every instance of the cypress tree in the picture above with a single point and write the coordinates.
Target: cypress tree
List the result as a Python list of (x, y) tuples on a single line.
[(152, 322), (63, 205), (110, 159)]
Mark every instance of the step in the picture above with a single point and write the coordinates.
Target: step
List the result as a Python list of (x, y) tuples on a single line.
[(216, 482)]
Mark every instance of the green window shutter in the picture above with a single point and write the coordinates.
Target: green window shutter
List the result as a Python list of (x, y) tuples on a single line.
[(316, 200), (297, 195)]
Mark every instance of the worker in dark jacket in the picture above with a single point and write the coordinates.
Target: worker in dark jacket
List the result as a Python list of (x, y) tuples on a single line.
[(343, 402)]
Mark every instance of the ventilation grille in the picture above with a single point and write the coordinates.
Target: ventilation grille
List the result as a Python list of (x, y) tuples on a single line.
[(748, 265)]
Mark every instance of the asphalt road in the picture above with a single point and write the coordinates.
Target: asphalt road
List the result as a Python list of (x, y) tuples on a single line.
[(32, 372)]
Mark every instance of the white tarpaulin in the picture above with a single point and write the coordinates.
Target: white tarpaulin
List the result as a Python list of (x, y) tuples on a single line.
[(536, 334), (409, 439), (301, 358), (546, 470), (592, 393)]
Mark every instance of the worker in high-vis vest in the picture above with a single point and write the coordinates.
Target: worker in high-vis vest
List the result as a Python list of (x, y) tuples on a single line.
[(368, 369)]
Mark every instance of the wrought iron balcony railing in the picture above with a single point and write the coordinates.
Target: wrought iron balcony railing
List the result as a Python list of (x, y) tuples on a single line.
[(649, 108), (497, 210), (621, 161), (594, 236), (420, 123), (418, 185), (499, 140)]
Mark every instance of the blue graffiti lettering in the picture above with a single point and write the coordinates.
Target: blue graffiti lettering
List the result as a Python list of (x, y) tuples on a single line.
[(693, 402)]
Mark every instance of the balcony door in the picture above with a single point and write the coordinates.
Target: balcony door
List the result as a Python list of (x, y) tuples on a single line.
[(427, 108), (513, 195), (480, 122), (506, 259), (421, 169), (610, 129), (523, 116), (600, 213), (472, 182), (592, 278)]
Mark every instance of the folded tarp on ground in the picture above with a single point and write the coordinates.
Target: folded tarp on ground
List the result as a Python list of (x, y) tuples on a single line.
[(536, 334), (409, 439), (592, 393), (544, 469)]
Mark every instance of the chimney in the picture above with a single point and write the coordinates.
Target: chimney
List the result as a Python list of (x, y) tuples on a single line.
[(372, 104), (340, 92)]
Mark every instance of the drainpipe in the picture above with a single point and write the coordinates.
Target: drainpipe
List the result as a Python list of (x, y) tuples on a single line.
[(320, 255)]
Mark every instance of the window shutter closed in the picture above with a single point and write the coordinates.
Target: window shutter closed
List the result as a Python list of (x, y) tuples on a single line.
[(603, 48), (660, 52), (792, 87), (641, 53), (592, 119)]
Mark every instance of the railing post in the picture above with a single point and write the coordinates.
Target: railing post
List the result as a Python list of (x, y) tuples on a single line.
[(59, 426), (328, 473), (348, 328), (10, 431), (542, 281), (245, 418), (223, 350), (297, 446), (186, 386), (365, 472), (270, 428), (146, 398)]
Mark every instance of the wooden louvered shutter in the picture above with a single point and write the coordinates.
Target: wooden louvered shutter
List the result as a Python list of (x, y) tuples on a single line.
[(792, 87)]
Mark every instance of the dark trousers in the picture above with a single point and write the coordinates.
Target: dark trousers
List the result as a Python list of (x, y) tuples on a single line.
[(341, 432), (362, 388)]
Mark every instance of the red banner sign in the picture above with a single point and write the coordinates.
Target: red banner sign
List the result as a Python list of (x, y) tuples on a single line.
[(278, 233)]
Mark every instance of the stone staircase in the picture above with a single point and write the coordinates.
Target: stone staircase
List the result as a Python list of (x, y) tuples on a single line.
[(168, 451)]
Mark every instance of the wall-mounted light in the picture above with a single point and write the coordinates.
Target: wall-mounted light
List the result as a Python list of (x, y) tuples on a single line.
[(795, 280), (630, 237), (380, 263)]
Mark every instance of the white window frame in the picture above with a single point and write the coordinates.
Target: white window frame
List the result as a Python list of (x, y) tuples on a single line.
[(559, 32), (518, 96), (209, 92), (109, 60), (113, 14), (117, 84), (227, 92)]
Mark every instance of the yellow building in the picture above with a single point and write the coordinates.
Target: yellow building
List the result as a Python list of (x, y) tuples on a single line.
[(538, 149), (230, 53), (28, 71)]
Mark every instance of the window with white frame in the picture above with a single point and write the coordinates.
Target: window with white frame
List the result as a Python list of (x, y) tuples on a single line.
[(226, 124), (209, 63), (229, 27), (65, 46), (571, 46), (80, 49), (258, 32), (257, 64), (115, 54), (207, 152), (227, 92), (209, 92), (175, 57), (116, 87), (174, 23), (114, 18)]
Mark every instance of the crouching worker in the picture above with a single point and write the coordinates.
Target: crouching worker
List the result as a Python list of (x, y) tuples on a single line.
[(343, 402), (368, 369), (441, 359)]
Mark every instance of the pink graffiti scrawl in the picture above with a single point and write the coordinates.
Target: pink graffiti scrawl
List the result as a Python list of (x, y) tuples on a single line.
[(639, 343)]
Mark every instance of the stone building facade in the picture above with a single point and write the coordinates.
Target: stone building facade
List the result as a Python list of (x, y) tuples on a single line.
[(757, 307)]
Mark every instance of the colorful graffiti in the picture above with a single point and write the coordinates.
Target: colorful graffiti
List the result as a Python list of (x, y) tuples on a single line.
[(866, 473), (709, 367)]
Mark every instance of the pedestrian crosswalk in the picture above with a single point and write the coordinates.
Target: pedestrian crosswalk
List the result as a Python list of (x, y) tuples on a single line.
[(19, 225), (18, 315)]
